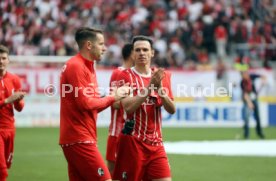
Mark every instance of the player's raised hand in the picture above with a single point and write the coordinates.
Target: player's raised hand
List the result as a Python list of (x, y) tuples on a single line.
[(16, 96), (157, 77)]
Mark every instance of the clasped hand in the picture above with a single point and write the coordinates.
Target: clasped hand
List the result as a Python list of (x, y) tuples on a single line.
[(16, 96), (120, 92), (156, 78)]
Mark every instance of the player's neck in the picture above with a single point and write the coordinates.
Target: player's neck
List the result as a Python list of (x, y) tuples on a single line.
[(86, 55), (2, 73), (143, 70), (127, 64)]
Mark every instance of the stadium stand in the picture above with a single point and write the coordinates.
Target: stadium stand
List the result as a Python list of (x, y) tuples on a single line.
[(187, 33)]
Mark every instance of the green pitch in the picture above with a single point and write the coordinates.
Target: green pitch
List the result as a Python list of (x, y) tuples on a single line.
[(39, 158)]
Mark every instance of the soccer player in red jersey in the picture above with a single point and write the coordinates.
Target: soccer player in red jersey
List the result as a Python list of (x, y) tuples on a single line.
[(10, 98), (140, 153), (80, 105), (117, 112)]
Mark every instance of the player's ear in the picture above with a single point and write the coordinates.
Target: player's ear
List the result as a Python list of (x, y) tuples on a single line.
[(132, 54), (152, 53), (89, 45)]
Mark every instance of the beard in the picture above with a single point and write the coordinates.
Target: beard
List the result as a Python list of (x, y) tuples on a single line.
[(2, 67), (96, 54)]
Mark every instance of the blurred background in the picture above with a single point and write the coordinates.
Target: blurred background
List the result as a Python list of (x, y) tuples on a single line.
[(203, 43)]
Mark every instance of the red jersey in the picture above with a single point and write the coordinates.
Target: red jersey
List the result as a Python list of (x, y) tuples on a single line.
[(80, 102), (9, 83), (148, 119), (117, 120), (220, 32)]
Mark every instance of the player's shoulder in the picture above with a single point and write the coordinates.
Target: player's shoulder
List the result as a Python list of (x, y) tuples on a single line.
[(124, 75), (125, 71), (118, 70), (15, 79), (167, 77), (73, 61), (74, 64), (12, 76), (167, 73)]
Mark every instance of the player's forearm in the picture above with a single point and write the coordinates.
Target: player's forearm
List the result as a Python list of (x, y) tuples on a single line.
[(103, 108), (131, 104), (168, 104), (98, 104)]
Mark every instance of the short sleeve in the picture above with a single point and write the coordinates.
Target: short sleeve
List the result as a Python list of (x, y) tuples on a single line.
[(167, 84), (123, 78), (17, 84), (113, 78)]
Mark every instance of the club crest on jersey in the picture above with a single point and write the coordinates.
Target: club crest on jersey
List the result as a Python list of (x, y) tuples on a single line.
[(124, 175), (100, 171), (150, 101)]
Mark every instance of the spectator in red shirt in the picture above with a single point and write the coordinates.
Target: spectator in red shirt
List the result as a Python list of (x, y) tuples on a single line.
[(221, 40), (10, 98), (80, 105)]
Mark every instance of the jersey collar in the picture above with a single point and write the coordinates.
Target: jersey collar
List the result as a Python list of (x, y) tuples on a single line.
[(87, 62), (142, 75)]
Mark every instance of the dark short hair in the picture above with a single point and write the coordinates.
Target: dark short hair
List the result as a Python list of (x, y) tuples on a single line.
[(142, 38), (126, 50), (84, 33), (4, 49)]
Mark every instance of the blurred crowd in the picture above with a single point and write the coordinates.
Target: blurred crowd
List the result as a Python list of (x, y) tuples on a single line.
[(186, 32)]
